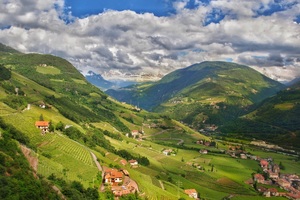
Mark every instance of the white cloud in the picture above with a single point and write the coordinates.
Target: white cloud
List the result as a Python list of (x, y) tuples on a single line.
[(134, 42)]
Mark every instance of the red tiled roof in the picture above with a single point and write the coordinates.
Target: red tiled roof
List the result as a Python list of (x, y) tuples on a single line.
[(123, 162), (273, 190), (190, 191), (259, 177), (264, 163), (113, 173), (117, 175), (41, 123)]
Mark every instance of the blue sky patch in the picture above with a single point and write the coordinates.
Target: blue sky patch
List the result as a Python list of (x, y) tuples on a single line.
[(277, 6), (84, 8), (297, 19), (214, 17)]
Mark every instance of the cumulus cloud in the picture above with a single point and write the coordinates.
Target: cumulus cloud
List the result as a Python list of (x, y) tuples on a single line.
[(247, 32)]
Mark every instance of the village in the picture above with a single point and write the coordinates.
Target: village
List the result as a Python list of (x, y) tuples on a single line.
[(268, 182), (273, 183)]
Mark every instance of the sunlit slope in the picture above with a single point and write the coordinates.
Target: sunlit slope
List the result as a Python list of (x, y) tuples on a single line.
[(216, 91)]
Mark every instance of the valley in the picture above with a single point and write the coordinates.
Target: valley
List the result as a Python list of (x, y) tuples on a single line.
[(95, 147)]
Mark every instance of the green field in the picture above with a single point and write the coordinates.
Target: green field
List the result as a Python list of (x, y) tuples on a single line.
[(228, 176), (48, 70)]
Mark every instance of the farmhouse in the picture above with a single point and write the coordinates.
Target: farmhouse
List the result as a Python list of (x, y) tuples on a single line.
[(271, 192), (264, 164), (273, 175), (192, 193), (123, 162), (43, 125), (259, 178), (203, 151), (133, 163), (199, 142), (167, 152), (113, 176), (134, 133), (243, 156), (283, 183)]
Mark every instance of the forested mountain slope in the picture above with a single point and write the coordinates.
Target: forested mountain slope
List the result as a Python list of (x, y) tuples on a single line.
[(275, 119), (211, 92)]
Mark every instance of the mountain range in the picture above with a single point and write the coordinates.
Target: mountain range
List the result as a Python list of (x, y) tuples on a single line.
[(201, 90), (103, 84), (85, 127), (89, 132)]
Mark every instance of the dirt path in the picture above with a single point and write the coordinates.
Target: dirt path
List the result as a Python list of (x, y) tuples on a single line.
[(33, 161), (58, 192), (96, 161)]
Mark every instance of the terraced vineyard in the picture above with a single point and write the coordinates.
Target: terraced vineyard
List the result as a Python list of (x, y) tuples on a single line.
[(46, 167), (66, 156)]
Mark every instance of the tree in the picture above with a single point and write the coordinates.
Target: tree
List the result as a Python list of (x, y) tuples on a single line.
[(281, 166), (5, 74), (60, 126), (91, 193), (143, 161), (51, 127), (41, 117), (78, 186)]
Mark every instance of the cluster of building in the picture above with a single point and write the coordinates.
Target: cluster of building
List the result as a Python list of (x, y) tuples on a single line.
[(203, 142), (289, 183), (133, 163), (119, 182)]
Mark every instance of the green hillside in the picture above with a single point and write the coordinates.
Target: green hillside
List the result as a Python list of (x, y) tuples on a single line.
[(276, 119), (88, 129), (210, 92)]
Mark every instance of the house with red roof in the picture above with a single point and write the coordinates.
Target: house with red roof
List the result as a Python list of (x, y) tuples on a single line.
[(134, 133), (259, 178), (43, 126), (264, 164), (123, 162), (113, 176), (192, 193), (133, 163), (283, 183)]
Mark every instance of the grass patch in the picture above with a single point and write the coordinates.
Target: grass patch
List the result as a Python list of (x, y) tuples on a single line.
[(79, 81), (48, 70), (105, 126), (284, 106), (57, 80)]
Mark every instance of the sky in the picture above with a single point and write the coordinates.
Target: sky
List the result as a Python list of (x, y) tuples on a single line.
[(157, 36)]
